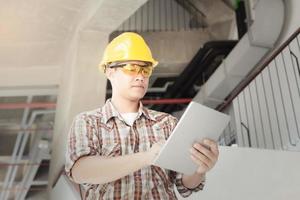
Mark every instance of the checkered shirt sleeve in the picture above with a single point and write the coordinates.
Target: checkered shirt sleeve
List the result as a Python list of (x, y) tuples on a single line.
[(80, 141)]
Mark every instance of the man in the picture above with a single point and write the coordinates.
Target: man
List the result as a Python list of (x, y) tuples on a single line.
[(110, 149)]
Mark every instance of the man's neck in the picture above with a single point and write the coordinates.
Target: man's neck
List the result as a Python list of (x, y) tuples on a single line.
[(125, 106)]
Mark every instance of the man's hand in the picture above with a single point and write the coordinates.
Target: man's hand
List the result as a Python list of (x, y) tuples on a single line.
[(153, 152), (205, 155)]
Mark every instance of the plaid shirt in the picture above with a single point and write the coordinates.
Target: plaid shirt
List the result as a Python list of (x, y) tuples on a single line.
[(103, 132)]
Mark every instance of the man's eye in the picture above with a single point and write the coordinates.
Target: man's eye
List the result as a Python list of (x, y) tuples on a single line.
[(130, 69)]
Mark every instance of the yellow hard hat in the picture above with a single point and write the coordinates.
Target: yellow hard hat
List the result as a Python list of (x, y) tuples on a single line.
[(125, 47)]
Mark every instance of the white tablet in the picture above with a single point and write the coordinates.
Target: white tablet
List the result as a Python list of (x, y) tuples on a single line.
[(197, 122)]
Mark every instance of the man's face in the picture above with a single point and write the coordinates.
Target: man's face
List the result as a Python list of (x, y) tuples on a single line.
[(131, 86)]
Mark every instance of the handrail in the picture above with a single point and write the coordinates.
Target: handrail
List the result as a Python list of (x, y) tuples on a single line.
[(252, 76)]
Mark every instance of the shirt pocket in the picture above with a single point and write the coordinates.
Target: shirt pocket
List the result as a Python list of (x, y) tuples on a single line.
[(161, 133), (111, 150)]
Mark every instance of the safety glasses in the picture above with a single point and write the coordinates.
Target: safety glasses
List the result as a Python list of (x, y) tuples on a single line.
[(134, 69)]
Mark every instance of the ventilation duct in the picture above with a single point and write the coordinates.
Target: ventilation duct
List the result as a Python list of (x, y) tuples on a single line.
[(268, 19)]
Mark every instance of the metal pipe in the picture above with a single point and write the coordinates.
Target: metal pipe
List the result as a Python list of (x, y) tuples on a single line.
[(12, 106)]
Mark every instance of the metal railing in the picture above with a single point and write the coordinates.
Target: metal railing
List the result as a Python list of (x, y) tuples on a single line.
[(267, 104)]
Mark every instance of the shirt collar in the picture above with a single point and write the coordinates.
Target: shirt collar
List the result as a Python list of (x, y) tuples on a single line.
[(109, 111)]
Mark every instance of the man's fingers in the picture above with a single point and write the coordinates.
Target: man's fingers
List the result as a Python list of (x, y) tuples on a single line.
[(199, 162), (205, 154), (200, 157), (204, 151), (212, 145)]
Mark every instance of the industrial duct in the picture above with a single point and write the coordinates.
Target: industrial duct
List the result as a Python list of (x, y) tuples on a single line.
[(268, 19)]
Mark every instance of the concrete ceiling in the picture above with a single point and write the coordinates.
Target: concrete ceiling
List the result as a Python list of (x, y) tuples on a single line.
[(34, 33)]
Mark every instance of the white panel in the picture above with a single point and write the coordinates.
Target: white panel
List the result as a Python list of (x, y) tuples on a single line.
[(252, 123), (250, 117), (295, 48), (286, 98), (281, 114), (257, 115), (232, 124), (272, 110), (162, 15), (237, 122), (244, 119), (132, 22), (181, 18), (139, 19), (173, 16), (125, 26), (156, 17), (152, 16), (186, 17), (168, 16), (293, 89), (264, 112), (176, 16), (145, 16)]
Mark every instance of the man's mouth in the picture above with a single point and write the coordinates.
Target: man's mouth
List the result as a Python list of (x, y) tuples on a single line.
[(138, 86)]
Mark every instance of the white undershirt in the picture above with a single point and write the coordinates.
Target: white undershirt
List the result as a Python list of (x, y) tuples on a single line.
[(129, 117)]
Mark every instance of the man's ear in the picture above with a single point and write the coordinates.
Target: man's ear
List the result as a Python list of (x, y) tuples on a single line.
[(109, 73)]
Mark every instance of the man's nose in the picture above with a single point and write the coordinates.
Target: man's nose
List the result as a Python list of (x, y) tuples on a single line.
[(140, 76)]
